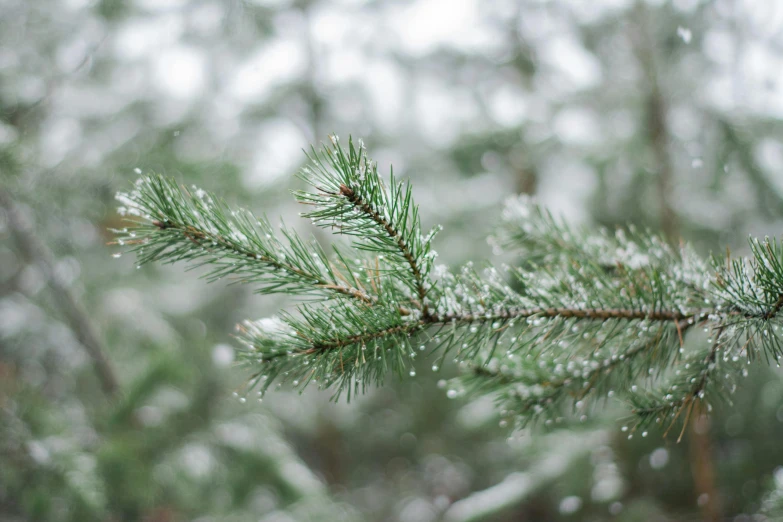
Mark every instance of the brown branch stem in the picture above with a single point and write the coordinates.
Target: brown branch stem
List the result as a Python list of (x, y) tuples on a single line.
[(196, 235), (365, 207), (598, 314), (775, 310), (411, 327)]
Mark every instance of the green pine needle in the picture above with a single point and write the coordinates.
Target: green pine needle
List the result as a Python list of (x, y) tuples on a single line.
[(585, 319)]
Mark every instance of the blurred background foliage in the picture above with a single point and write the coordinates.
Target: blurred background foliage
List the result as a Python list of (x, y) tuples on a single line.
[(663, 114)]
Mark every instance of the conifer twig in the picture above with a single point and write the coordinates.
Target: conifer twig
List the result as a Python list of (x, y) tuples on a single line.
[(588, 317), (351, 198), (203, 239), (357, 201)]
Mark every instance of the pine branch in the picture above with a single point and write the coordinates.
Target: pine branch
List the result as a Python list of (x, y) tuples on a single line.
[(351, 198), (543, 396), (587, 318), (204, 239), (421, 286), (171, 224), (544, 240)]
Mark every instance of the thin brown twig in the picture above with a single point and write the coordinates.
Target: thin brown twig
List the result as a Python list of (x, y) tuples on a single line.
[(195, 235), (770, 314), (358, 202), (504, 315)]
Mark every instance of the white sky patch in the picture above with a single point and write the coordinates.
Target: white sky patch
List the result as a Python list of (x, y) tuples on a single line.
[(341, 42), (539, 23), (720, 91), (769, 154), (685, 122), (567, 56), (138, 38), (75, 5), (425, 25), (8, 134), (278, 151), (273, 64), (591, 11), (269, 3), (594, 10), (345, 65), (762, 73), (508, 105), (352, 2), (764, 17), (70, 55), (197, 460), (161, 5), (442, 109), (180, 71), (622, 124), (385, 85), (330, 27), (206, 18), (577, 126), (222, 355), (565, 186), (58, 138), (719, 46), (686, 6)]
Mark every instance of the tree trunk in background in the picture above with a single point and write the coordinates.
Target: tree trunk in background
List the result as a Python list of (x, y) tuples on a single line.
[(699, 442), (700, 449)]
